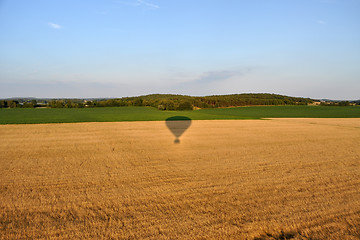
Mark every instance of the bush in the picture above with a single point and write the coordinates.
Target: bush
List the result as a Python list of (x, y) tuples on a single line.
[(185, 106)]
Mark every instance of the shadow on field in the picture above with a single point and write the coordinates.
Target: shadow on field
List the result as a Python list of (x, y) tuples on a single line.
[(178, 125)]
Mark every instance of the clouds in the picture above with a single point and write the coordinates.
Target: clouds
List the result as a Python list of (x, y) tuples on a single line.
[(218, 76), (166, 46), (211, 82), (215, 76), (321, 22), (54, 25), (147, 4), (141, 3)]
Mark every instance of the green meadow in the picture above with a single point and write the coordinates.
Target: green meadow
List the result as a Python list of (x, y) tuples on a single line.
[(117, 114)]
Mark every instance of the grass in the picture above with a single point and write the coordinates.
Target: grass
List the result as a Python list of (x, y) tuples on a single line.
[(111, 114), (118, 114), (287, 112)]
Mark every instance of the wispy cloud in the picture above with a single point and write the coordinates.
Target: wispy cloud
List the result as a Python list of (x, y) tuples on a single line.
[(141, 3), (147, 4), (54, 25), (321, 22), (215, 76), (219, 75), (210, 81)]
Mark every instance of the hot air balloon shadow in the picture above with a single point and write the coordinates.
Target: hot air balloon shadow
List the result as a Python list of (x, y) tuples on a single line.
[(178, 125)]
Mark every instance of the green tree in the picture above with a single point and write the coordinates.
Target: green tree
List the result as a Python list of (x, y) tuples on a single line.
[(13, 104), (3, 104), (28, 105), (59, 104), (34, 103), (138, 102), (344, 103), (161, 107), (68, 104), (185, 106), (79, 105)]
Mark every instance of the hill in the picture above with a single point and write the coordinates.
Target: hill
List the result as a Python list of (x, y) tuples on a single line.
[(164, 101)]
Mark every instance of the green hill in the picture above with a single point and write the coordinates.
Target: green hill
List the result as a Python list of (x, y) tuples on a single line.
[(181, 102)]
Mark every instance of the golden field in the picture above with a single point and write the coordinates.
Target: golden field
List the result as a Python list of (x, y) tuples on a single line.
[(228, 179)]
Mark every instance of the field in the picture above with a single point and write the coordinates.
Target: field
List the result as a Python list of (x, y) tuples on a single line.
[(226, 179), (116, 114)]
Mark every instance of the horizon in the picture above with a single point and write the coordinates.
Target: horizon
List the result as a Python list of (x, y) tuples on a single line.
[(113, 49), (134, 96)]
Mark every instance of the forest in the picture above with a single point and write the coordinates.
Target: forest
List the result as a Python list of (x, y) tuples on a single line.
[(162, 101)]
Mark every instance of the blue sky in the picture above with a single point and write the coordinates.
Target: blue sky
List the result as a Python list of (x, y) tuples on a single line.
[(116, 48)]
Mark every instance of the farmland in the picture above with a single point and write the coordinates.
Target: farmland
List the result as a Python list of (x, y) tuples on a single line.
[(226, 179), (115, 114)]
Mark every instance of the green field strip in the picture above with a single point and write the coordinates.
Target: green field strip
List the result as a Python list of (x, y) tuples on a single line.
[(118, 114)]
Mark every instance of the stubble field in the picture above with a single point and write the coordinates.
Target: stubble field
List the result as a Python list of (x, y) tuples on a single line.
[(226, 179)]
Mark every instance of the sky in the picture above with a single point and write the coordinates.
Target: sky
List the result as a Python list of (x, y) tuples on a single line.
[(118, 48)]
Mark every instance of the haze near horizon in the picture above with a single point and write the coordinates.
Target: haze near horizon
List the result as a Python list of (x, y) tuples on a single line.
[(117, 48)]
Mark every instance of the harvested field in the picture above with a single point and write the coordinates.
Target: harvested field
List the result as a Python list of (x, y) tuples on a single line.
[(226, 179)]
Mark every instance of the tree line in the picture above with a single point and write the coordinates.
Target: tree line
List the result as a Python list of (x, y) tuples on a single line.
[(340, 103), (163, 101)]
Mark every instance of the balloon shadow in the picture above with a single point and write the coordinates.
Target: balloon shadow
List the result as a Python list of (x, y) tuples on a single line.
[(178, 125)]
